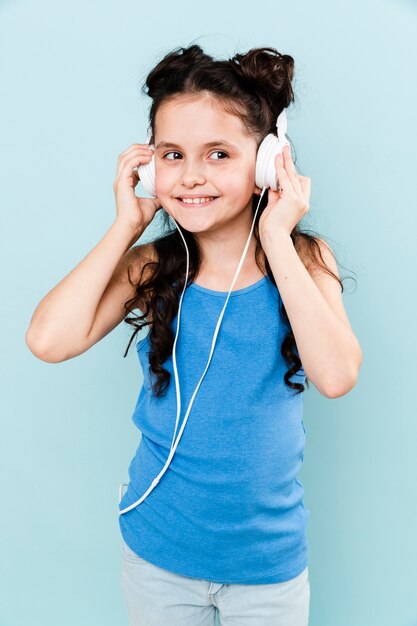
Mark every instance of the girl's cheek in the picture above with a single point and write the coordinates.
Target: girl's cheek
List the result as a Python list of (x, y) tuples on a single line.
[(165, 180)]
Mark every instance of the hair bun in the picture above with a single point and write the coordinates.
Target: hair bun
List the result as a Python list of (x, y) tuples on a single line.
[(266, 71), (174, 65)]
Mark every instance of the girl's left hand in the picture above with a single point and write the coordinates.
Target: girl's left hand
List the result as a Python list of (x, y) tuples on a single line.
[(287, 206)]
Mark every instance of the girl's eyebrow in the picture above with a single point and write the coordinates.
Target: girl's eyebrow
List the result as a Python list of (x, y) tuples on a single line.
[(223, 142)]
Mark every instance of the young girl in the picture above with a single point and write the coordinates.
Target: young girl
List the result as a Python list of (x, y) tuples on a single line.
[(242, 307)]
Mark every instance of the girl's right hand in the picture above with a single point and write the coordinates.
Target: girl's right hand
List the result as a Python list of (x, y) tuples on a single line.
[(137, 212)]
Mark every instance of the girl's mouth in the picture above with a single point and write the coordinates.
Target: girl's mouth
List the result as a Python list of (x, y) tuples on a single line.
[(203, 202)]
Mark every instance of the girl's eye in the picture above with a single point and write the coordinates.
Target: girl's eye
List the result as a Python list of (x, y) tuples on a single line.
[(215, 152), (219, 152), (165, 155)]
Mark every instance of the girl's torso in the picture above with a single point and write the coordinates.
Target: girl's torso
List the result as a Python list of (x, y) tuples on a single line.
[(229, 508)]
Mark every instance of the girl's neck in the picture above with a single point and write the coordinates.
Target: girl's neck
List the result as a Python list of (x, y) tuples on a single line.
[(217, 273)]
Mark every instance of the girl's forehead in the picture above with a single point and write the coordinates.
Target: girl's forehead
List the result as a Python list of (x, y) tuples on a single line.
[(196, 114)]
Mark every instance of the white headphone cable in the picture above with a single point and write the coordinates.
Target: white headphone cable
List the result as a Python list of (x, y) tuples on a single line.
[(175, 442)]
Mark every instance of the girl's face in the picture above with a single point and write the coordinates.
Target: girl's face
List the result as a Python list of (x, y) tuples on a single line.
[(203, 151)]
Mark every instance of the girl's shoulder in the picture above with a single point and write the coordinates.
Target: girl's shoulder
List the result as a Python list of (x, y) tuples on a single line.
[(134, 267), (136, 258), (120, 289)]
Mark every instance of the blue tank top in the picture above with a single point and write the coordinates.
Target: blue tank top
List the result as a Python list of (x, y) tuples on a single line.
[(229, 508)]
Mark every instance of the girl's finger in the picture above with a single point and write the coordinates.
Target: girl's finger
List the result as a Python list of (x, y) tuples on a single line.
[(127, 156), (290, 168), (125, 167), (306, 187), (283, 178), (134, 146)]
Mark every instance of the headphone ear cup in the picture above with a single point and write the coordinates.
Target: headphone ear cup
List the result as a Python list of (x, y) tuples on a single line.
[(265, 173), (146, 174)]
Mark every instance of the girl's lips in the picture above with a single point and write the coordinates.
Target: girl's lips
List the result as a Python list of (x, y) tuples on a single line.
[(193, 205)]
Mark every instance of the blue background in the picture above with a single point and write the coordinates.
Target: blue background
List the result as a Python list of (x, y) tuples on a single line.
[(70, 104)]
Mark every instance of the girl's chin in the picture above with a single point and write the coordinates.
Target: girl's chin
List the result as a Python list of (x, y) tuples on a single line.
[(197, 222)]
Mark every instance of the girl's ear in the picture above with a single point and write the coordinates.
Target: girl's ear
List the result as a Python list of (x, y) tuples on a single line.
[(257, 190)]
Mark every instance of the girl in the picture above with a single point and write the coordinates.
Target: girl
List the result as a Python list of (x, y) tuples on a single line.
[(223, 527)]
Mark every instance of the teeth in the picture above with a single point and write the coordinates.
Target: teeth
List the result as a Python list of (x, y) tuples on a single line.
[(196, 200)]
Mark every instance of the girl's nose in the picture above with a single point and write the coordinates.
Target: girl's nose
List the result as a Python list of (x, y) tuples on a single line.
[(192, 175)]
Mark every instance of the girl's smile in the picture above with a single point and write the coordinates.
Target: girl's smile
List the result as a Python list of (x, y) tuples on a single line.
[(199, 202)]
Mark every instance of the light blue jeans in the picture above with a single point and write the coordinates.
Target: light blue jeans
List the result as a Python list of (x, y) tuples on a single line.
[(157, 597)]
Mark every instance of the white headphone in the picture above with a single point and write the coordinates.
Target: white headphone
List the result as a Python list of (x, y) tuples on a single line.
[(265, 177)]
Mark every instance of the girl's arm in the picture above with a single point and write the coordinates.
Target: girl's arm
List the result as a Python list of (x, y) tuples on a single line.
[(88, 303), (328, 349)]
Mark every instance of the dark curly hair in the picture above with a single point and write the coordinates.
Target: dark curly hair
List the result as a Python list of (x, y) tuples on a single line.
[(256, 87)]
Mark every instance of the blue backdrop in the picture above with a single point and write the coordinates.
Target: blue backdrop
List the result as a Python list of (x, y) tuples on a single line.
[(70, 104)]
